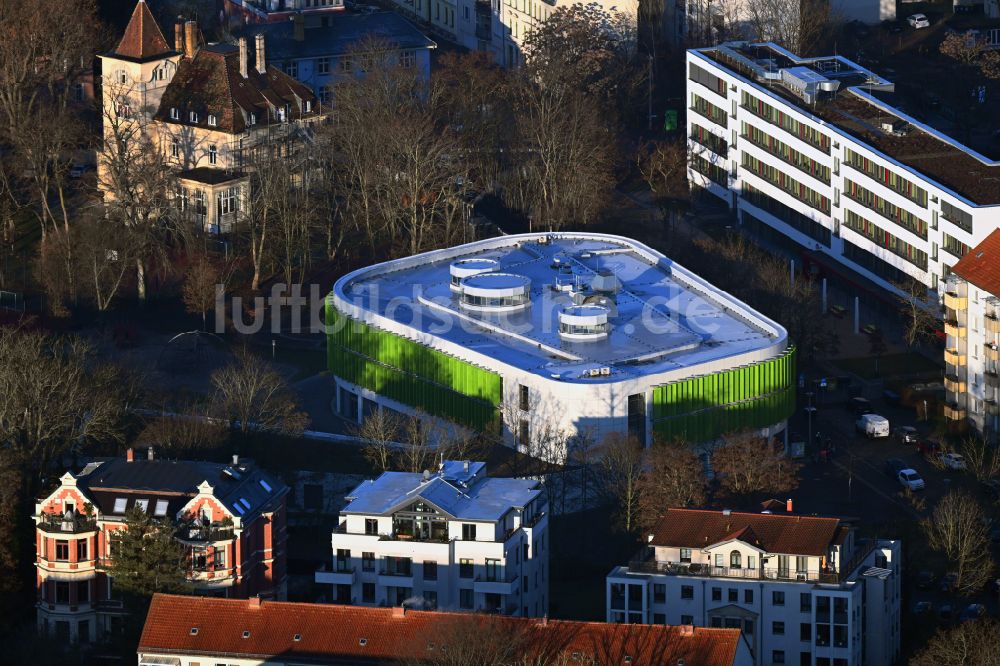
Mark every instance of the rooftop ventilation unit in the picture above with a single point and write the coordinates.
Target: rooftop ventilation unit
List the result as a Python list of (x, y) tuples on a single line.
[(807, 83), (896, 127)]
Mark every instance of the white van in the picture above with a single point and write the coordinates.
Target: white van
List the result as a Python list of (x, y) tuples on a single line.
[(873, 425)]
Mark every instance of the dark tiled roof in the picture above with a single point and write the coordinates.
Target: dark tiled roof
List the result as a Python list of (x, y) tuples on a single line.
[(210, 176), (338, 38), (981, 266), (143, 39), (211, 83), (331, 634), (774, 533)]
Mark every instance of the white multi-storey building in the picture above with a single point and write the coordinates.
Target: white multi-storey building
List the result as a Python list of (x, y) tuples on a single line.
[(453, 540), (972, 355), (813, 150), (804, 589)]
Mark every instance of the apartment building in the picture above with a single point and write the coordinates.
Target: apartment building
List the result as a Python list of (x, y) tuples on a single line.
[(455, 539), (239, 12), (207, 110), (802, 589), (813, 150), (322, 55), (230, 519), (186, 631), (972, 349)]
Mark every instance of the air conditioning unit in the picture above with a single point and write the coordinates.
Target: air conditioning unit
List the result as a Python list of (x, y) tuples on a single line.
[(801, 576), (605, 371)]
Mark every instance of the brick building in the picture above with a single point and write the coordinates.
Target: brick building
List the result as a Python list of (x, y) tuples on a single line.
[(230, 518)]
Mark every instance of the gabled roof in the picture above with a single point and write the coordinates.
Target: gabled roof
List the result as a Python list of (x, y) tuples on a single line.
[(981, 266), (474, 498), (211, 83), (332, 634), (773, 533), (143, 40)]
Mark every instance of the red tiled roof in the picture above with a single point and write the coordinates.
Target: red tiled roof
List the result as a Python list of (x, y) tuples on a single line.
[(774, 533), (981, 265), (143, 39), (330, 634)]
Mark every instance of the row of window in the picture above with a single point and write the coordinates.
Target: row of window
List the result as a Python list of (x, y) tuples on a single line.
[(956, 216), (954, 246), (62, 550), (891, 212), (213, 151), (786, 153), (772, 115), (885, 176), (884, 239), (782, 180), (873, 263), (703, 107), (793, 218), (468, 529), (714, 172), (713, 142), (707, 79), (193, 117)]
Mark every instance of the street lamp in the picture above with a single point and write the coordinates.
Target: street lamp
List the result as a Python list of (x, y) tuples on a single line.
[(810, 410)]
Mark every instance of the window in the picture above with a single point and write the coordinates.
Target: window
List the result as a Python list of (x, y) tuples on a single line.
[(161, 508), (747, 626), (175, 148), (465, 568), (687, 592), (734, 595), (174, 114), (778, 656), (292, 69), (716, 622), (716, 594), (228, 199), (430, 599), (371, 526), (801, 564), (805, 658), (253, 118), (659, 593), (212, 120), (62, 551), (805, 602), (83, 591), (368, 593), (735, 560), (213, 154), (346, 65), (823, 635), (193, 116), (751, 562), (777, 598), (325, 94), (142, 504), (122, 77), (523, 432), (778, 628), (220, 557), (685, 619), (523, 398), (468, 532), (124, 110), (748, 596), (62, 592), (720, 560), (81, 550), (367, 561), (805, 631), (323, 66), (407, 58), (466, 599), (661, 618), (309, 105), (686, 555)]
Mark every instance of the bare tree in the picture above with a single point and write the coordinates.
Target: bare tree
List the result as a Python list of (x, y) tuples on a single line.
[(958, 530), (798, 26), (982, 458), (972, 51), (969, 644), (201, 282), (663, 165), (673, 477), (380, 430), (421, 433), (749, 463), (919, 319), (254, 397), (187, 426), (622, 468)]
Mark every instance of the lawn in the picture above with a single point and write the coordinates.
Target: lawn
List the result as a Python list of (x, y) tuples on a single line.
[(907, 364)]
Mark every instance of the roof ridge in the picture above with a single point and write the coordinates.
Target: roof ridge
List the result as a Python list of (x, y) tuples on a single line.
[(719, 512)]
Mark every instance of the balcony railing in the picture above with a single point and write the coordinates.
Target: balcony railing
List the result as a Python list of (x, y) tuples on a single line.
[(954, 383), (954, 357), (956, 302), (206, 533), (953, 412), (992, 324), (954, 329), (709, 571), (75, 525), (992, 378)]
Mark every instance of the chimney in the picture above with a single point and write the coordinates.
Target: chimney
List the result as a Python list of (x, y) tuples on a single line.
[(150, 455), (253, 602), (190, 38), (687, 630), (788, 505), (243, 72), (399, 611), (179, 35), (298, 28), (236, 456), (545, 621), (129, 454), (261, 62), (465, 466)]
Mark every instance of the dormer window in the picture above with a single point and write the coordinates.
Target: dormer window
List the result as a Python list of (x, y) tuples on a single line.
[(281, 115), (253, 118), (193, 116), (174, 113), (212, 120), (309, 106)]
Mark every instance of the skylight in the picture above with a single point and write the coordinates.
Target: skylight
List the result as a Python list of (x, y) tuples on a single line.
[(142, 504), (265, 485), (194, 631), (161, 508), (245, 503), (120, 504), (239, 509)]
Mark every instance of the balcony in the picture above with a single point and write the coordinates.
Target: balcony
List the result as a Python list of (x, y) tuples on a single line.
[(992, 407), (992, 351), (50, 522), (503, 583), (709, 571), (992, 324), (992, 379), (328, 574), (953, 412), (954, 357), (956, 302), (954, 329), (199, 533), (954, 384)]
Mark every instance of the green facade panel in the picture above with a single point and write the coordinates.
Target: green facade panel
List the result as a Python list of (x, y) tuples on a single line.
[(706, 407), (411, 373)]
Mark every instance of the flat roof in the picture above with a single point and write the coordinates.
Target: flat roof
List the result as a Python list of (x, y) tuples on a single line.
[(662, 317), (864, 101)]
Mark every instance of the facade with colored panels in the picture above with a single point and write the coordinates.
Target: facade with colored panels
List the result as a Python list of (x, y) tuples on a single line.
[(230, 519), (814, 151), (556, 336)]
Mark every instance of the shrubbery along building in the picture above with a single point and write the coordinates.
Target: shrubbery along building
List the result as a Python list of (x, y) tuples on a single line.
[(569, 333)]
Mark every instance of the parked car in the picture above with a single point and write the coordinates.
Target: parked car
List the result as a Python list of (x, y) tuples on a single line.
[(893, 466), (922, 607), (918, 21), (944, 612), (908, 478), (860, 406), (873, 426), (948, 582), (928, 448), (953, 461), (925, 579), (905, 434), (972, 612)]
